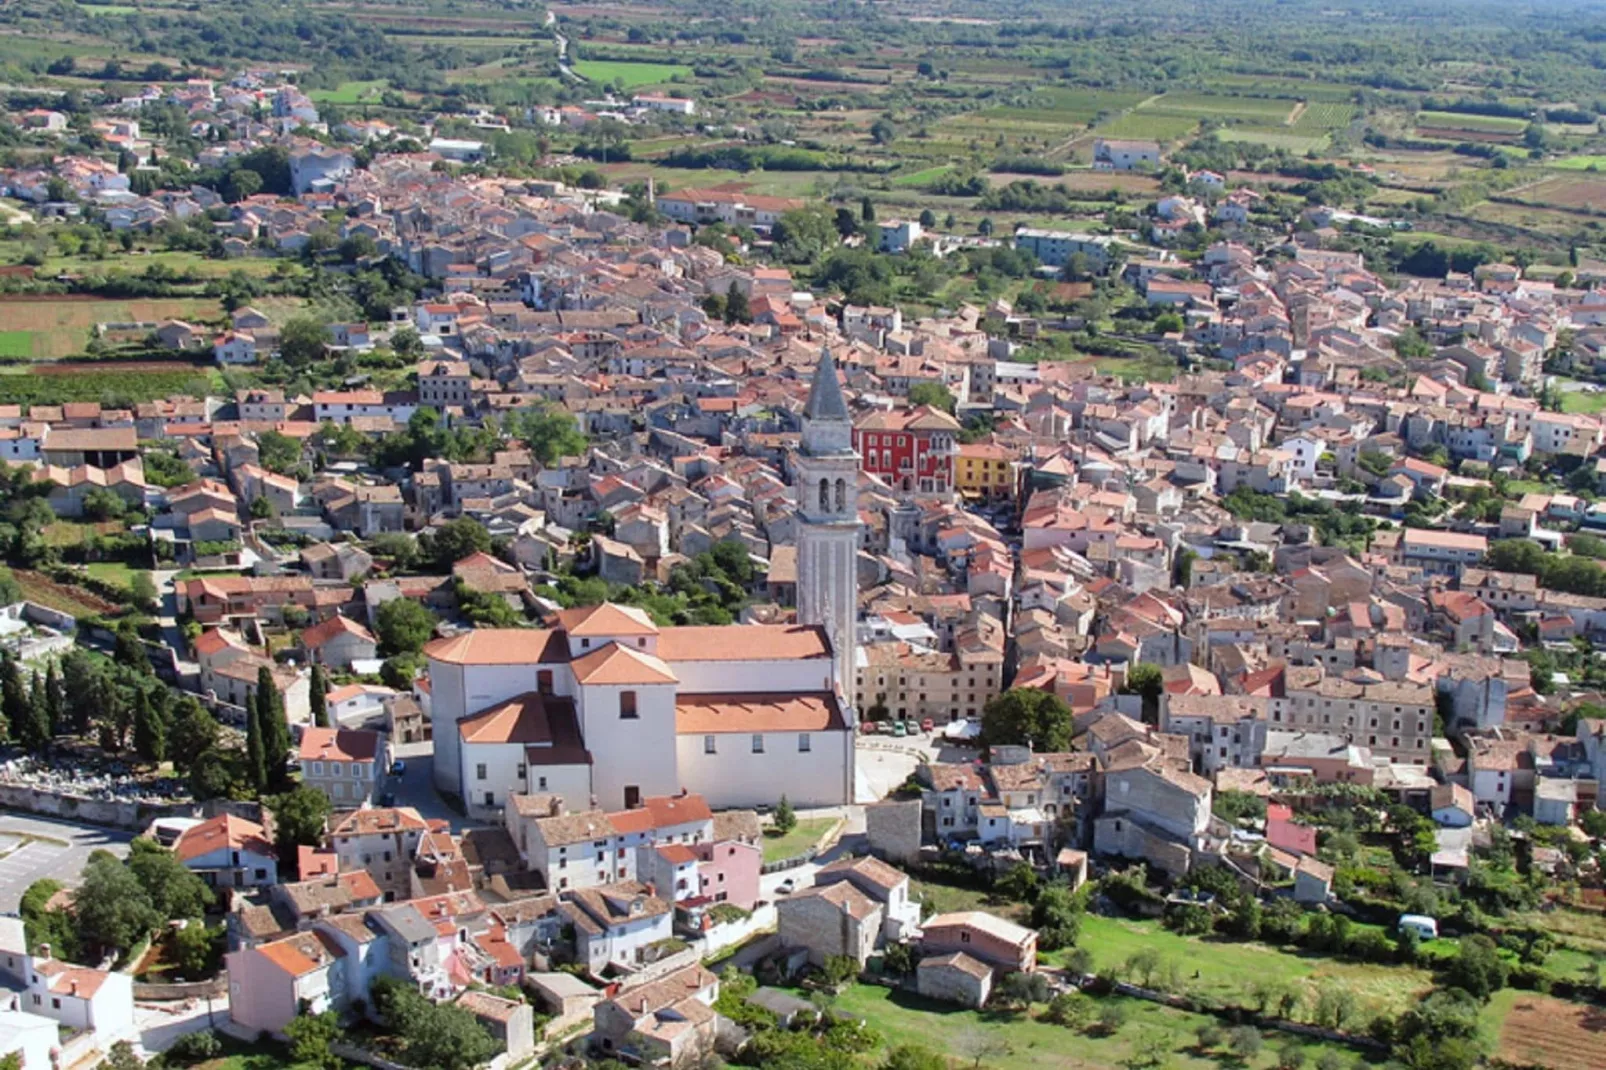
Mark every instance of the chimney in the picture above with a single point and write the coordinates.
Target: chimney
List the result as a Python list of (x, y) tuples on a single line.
[(555, 806), (44, 951)]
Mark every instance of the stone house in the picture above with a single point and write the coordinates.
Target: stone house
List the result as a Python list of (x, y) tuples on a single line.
[(831, 919), (955, 978)]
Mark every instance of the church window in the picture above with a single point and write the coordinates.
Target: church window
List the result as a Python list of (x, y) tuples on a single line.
[(825, 494), (841, 495)]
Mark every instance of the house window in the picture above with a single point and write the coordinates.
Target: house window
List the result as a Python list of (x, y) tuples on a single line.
[(627, 705), (758, 744), (541, 783), (632, 796), (317, 769), (708, 745), (964, 938), (490, 798), (803, 742), (479, 771)]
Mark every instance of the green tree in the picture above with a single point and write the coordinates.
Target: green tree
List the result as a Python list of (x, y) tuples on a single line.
[(212, 775), (839, 970), (175, 890), (1073, 1010), (142, 590), (439, 1037), (301, 342), (299, 817), (914, 1057), (403, 627), (1143, 678), (1039, 719), (1245, 1042), (278, 452), (193, 732), (785, 816), (274, 728), (551, 433), (736, 308), (112, 909), (256, 750), (1477, 968), (150, 733), (319, 698), (196, 948), (14, 706), (32, 729), (1057, 914), (55, 701), (934, 394), (310, 1037), (452, 541)]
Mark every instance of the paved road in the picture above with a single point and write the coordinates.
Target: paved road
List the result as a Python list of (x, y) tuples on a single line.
[(38, 847), (416, 787)]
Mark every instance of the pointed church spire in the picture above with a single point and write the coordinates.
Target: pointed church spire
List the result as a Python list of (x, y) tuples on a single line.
[(825, 395)]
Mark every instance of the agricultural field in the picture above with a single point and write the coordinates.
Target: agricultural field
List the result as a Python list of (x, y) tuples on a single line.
[(59, 325), (1551, 1034), (1226, 970), (1323, 115), (1020, 1042), (350, 92), (1285, 138), (1574, 190), (631, 75), (1146, 125), (1489, 124), (1579, 163), (1252, 110)]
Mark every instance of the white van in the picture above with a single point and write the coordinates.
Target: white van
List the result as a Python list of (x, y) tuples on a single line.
[(1424, 926)]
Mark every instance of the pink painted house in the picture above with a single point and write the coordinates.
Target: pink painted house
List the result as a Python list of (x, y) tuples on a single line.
[(701, 874)]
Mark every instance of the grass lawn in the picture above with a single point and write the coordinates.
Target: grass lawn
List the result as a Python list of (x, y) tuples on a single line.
[(804, 835), (632, 75), (1449, 120), (1227, 970), (946, 899), (1018, 1042), (1579, 163), (1583, 401), (112, 572), (1519, 487), (16, 343), (349, 92)]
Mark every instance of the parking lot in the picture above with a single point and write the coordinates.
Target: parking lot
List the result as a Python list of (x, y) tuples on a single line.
[(33, 848)]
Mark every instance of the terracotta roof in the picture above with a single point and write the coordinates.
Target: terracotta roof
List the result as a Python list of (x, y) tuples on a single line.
[(958, 961), (300, 954), (217, 833), (336, 626), (662, 811), (338, 744), (616, 664), (707, 714), (501, 646), (743, 642), (607, 619)]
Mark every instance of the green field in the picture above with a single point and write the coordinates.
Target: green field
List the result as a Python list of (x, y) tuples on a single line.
[(923, 176), (1019, 1042), (804, 835), (1226, 970), (1149, 125), (1324, 115), (1579, 163), (16, 343), (112, 572), (1579, 401), (630, 75), (108, 9), (349, 92), (1259, 110), (1276, 138), (1493, 124)]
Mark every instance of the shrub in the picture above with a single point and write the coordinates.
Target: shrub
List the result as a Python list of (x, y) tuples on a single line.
[(194, 1048)]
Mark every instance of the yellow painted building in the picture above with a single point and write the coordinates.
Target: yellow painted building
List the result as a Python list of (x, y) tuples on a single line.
[(984, 470)]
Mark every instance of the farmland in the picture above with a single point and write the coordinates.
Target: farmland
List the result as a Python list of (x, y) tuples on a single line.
[(349, 92), (59, 326), (1490, 124), (628, 74), (1551, 1034)]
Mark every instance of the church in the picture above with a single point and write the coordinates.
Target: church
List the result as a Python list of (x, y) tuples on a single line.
[(604, 708)]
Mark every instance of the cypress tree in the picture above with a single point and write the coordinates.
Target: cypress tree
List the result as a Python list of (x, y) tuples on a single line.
[(150, 734), (320, 700), (275, 730), (33, 730), (55, 699), (255, 763), (13, 696)]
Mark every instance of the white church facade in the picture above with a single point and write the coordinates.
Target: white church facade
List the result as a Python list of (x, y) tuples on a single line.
[(604, 708)]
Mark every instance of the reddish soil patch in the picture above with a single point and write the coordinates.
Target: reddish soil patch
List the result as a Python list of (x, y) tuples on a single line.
[(1553, 1034), (1568, 191), (59, 594), (48, 299), (72, 368)]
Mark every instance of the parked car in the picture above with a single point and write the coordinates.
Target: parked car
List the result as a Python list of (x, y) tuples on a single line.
[(398, 767), (928, 725), (898, 730), (786, 887), (867, 728)]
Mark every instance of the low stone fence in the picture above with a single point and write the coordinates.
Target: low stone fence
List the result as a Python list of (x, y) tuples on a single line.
[(113, 813), (828, 841), (216, 988)]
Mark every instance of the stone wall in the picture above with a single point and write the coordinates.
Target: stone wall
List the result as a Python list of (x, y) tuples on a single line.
[(112, 813), (893, 828)]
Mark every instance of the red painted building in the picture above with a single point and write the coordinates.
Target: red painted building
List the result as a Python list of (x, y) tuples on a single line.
[(909, 449)]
